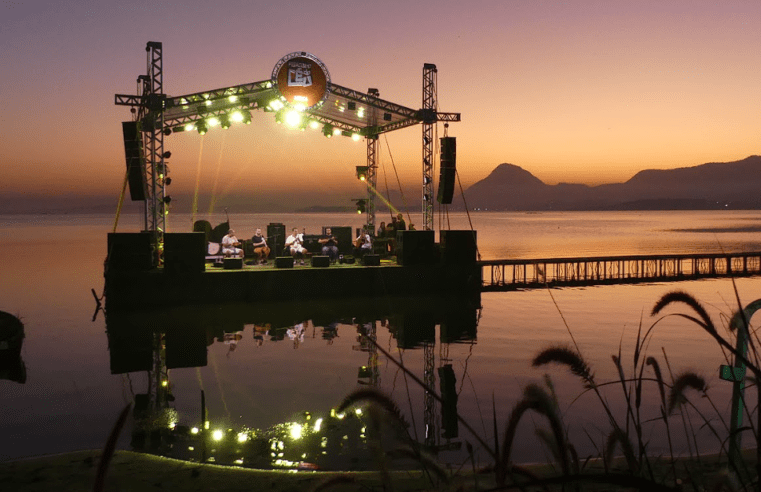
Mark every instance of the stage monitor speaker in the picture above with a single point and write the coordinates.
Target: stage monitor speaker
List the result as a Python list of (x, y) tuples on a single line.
[(276, 238), (232, 263), (320, 261), (415, 248), (447, 175), (458, 247), (132, 251), (284, 262), (371, 260), (184, 252), (133, 151)]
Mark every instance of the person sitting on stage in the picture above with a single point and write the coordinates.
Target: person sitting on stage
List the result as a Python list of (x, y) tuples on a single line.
[(230, 245), (295, 244), (363, 244), (261, 250), (329, 245)]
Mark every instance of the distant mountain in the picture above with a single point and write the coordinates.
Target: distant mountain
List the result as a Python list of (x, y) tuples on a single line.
[(716, 185)]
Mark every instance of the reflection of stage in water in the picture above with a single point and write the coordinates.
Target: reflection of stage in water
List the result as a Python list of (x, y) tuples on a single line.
[(12, 366), (158, 341)]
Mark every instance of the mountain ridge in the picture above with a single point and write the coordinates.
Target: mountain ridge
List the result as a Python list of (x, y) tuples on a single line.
[(711, 185)]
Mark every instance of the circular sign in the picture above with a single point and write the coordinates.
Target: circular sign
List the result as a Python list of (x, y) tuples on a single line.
[(302, 79)]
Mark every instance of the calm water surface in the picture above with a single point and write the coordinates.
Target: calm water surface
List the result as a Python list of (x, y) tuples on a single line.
[(261, 366)]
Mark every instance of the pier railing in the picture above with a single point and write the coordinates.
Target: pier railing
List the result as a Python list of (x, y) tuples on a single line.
[(499, 275)]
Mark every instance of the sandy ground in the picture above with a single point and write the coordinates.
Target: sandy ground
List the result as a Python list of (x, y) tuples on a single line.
[(130, 471)]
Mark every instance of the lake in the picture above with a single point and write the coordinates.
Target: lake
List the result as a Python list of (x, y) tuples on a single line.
[(265, 366)]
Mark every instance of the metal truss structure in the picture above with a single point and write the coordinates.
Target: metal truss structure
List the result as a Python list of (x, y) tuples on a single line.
[(343, 111)]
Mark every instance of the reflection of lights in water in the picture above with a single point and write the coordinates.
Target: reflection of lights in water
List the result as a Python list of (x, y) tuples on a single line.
[(358, 411), (194, 430), (238, 461), (217, 435), (191, 448), (318, 425), (242, 437)]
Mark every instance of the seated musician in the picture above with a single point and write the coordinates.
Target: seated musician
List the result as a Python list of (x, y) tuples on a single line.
[(329, 245), (230, 245), (363, 244), (261, 250), (295, 244)]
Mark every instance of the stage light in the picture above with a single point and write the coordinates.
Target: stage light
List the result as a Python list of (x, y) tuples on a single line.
[(246, 117), (355, 137), (217, 435), (167, 154), (232, 99), (426, 197), (213, 121), (314, 125), (352, 105), (327, 130), (189, 126), (224, 121), (167, 181), (279, 117), (337, 131), (361, 206), (426, 180), (276, 105), (167, 131), (346, 133), (293, 118), (167, 199), (361, 113), (202, 127), (362, 173)]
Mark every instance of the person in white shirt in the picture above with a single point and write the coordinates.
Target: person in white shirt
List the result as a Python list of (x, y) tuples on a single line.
[(230, 245), (295, 244)]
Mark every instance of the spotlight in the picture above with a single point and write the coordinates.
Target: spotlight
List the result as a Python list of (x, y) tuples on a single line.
[(202, 127), (168, 181), (355, 137), (167, 154), (246, 117), (167, 131), (167, 199), (362, 173), (224, 121), (293, 118), (361, 206), (327, 130), (189, 126), (178, 129)]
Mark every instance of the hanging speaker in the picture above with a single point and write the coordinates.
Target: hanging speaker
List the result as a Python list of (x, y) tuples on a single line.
[(447, 175), (133, 150)]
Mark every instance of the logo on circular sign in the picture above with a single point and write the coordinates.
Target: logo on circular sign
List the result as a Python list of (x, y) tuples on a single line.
[(302, 79)]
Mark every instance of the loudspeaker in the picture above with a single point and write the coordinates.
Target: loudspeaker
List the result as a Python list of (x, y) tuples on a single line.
[(320, 261), (132, 251), (415, 248), (371, 260), (276, 238), (284, 262), (133, 151), (447, 174), (458, 247), (232, 263), (184, 252)]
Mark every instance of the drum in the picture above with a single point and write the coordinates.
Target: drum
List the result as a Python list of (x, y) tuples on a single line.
[(214, 249)]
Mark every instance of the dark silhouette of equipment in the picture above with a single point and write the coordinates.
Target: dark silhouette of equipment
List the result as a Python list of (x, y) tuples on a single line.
[(448, 170), (133, 151)]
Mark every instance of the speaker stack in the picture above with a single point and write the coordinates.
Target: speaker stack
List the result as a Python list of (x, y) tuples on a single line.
[(133, 150), (447, 175)]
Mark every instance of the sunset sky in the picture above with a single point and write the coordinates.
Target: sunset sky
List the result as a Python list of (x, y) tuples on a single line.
[(574, 91)]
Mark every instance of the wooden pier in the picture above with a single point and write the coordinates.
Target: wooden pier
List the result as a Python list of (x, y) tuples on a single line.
[(503, 275)]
